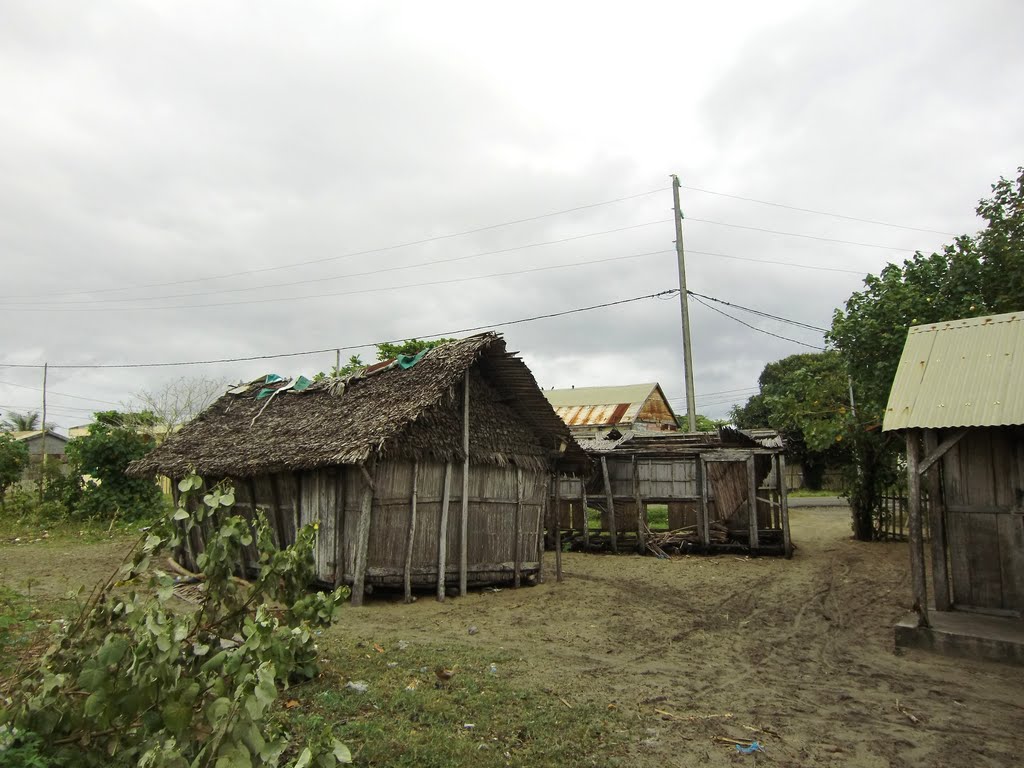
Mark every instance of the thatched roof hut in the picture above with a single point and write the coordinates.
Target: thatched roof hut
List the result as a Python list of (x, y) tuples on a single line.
[(380, 460)]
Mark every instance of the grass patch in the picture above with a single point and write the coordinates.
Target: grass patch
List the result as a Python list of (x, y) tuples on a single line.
[(807, 493), (482, 716), (20, 625)]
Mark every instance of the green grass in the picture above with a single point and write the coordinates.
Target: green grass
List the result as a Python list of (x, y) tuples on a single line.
[(807, 493), (479, 718), (19, 623)]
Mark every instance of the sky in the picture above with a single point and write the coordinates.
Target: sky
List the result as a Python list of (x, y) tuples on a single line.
[(196, 181)]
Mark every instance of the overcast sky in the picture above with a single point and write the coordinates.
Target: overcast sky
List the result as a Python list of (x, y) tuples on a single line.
[(199, 180)]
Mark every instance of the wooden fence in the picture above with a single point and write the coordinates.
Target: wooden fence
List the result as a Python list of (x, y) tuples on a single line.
[(890, 518)]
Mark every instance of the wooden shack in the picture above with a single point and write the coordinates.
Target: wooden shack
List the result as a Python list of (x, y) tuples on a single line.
[(421, 472), (957, 399), (725, 491)]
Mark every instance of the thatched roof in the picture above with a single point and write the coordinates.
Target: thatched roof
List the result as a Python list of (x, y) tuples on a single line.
[(389, 412)]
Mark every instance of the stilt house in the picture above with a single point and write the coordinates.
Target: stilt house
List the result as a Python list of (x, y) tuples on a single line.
[(422, 472)]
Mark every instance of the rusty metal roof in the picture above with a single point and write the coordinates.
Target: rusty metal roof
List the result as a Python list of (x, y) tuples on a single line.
[(599, 406), (960, 373)]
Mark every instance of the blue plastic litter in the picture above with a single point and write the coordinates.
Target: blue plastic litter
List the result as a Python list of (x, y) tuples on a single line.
[(405, 362), (754, 747)]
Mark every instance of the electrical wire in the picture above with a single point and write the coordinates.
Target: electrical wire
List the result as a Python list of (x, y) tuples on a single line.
[(755, 328), (797, 234), (354, 292), (758, 312), (818, 213), (61, 394), (533, 318), (860, 272), (352, 254), (367, 273)]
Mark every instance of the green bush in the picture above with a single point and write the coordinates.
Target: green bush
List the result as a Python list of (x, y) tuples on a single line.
[(100, 460)]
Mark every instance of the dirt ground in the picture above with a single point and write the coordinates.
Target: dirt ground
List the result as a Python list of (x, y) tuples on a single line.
[(798, 654)]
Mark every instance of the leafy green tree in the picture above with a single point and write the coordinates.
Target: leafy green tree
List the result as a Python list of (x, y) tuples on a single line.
[(102, 456), (704, 424), (388, 351), (136, 681), (973, 276), (805, 398), (13, 460)]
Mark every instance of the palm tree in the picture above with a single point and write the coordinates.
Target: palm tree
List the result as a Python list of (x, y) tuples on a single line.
[(21, 422)]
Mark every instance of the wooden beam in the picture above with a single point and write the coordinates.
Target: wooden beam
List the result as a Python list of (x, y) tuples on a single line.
[(752, 504), (517, 528), (362, 542), (411, 538), (935, 453), (558, 525), (464, 520), (916, 540), (542, 515), (586, 514), (937, 522), (702, 487), (641, 511), (787, 542), (442, 535), (611, 504)]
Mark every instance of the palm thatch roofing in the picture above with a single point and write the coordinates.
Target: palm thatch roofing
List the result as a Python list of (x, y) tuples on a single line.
[(386, 412)]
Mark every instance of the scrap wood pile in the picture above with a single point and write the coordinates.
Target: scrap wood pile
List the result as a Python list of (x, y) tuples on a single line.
[(662, 543)]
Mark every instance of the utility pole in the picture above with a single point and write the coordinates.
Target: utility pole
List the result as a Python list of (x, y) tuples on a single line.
[(691, 404), (42, 476)]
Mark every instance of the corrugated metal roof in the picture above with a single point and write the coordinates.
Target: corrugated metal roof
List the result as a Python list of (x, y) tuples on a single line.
[(960, 373), (628, 393)]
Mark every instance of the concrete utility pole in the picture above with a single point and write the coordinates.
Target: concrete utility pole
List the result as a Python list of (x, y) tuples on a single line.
[(691, 405)]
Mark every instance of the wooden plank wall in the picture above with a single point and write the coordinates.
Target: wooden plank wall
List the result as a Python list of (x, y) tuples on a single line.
[(983, 480)]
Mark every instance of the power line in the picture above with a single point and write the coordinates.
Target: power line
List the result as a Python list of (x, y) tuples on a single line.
[(753, 327), (798, 234), (779, 263), (382, 270), (353, 292), (352, 254), (819, 213), (61, 394), (760, 313), (549, 315)]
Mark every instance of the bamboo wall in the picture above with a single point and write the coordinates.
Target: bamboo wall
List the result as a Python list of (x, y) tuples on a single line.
[(503, 524)]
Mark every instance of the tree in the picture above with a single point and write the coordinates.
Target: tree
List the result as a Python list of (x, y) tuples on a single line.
[(103, 456), (13, 460), (973, 276), (805, 398), (704, 424), (387, 351), (176, 403), (23, 422)]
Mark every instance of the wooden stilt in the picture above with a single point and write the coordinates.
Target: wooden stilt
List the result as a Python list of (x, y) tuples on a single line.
[(586, 514), (411, 538), (936, 524), (362, 541), (517, 536), (442, 534), (641, 511), (702, 487), (787, 542), (916, 539), (752, 506), (464, 519), (611, 505), (558, 525)]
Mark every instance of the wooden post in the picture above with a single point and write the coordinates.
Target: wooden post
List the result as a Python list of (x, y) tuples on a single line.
[(464, 521), (517, 535), (702, 487), (362, 541), (412, 532), (752, 506), (586, 514), (787, 542), (442, 537), (641, 511), (937, 523), (611, 505), (541, 521), (558, 525), (916, 540)]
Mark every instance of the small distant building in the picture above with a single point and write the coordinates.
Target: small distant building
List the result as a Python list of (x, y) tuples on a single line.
[(40, 441), (958, 402), (591, 412)]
